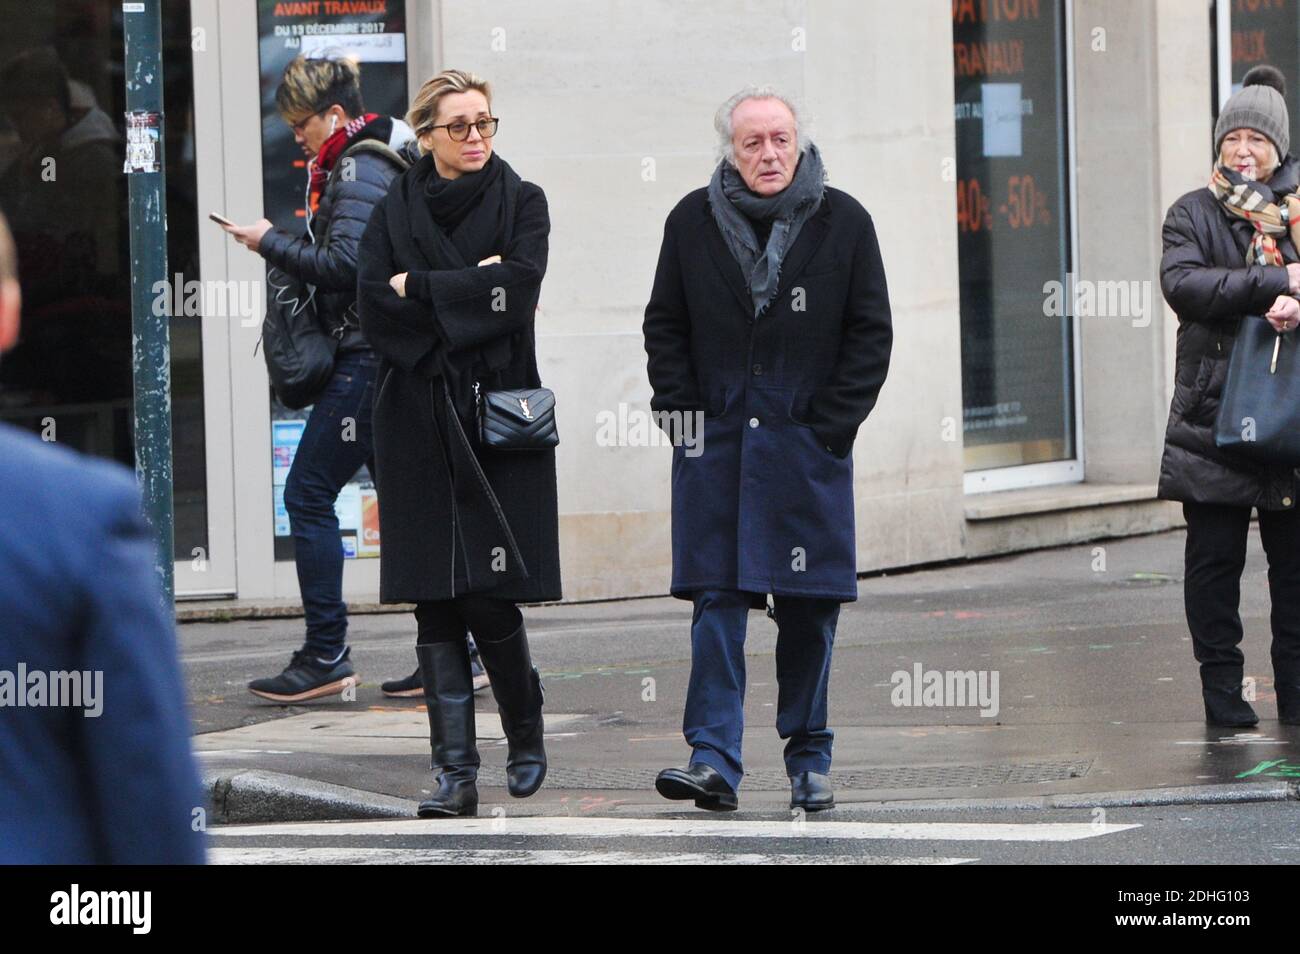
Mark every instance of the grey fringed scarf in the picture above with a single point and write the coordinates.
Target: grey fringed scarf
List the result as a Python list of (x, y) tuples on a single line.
[(733, 205)]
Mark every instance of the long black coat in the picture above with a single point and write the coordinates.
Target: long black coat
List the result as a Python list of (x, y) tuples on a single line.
[(1205, 279), (767, 507), (453, 522)]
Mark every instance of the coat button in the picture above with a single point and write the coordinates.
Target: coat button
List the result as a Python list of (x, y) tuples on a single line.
[(1286, 501), (758, 369), (753, 422)]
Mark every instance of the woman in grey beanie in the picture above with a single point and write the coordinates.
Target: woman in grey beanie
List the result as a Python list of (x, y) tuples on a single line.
[(1230, 256)]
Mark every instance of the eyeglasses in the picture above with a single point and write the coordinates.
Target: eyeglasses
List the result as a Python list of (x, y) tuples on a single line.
[(299, 128), (459, 132)]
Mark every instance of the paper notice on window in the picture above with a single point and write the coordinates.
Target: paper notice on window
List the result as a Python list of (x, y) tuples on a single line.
[(1001, 108), (364, 47)]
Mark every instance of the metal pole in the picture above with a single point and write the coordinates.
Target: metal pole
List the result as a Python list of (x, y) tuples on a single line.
[(151, 352)]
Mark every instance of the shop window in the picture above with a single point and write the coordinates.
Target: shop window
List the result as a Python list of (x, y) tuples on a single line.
[(1017, 354)]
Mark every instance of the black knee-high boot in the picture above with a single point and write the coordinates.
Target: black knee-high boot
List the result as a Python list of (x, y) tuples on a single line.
[(517, 687), (449, 697)]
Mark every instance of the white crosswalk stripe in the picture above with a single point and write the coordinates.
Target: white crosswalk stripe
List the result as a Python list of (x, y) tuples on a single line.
[(506, 856), (603, 840)]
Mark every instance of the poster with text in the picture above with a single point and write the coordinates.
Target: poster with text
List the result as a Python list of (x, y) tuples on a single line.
[(1012, 228)]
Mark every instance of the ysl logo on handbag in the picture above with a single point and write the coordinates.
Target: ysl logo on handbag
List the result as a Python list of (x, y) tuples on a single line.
[(502, 427)]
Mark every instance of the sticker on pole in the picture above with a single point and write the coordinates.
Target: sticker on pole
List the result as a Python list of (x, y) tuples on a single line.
[(142, 141)]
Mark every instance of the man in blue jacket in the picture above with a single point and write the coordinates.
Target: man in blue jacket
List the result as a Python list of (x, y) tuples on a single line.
[(95, 763)]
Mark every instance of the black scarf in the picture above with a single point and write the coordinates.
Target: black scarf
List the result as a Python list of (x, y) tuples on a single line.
[(454, 223), (436, 224)]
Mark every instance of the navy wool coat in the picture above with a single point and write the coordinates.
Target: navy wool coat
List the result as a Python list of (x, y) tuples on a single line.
[(766, 506)]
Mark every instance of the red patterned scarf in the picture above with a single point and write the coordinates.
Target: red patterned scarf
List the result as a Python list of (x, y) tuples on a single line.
[(318, 169)]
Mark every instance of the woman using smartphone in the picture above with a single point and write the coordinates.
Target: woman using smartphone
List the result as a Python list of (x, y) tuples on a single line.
[(352, 158)]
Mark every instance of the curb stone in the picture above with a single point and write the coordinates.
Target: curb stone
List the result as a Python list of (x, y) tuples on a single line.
[(253, 795), (256, 796)]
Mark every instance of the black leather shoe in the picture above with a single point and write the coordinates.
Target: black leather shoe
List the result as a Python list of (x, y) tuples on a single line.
[(449, 697), (1224, 705), (517, 687), (698, 781), (811, 791)]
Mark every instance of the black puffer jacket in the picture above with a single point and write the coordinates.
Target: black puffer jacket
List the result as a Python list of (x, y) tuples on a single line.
[(330, 262), (1205, 279)]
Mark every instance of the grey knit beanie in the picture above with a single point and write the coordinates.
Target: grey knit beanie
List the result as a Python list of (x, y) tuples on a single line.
[(1260, 104)]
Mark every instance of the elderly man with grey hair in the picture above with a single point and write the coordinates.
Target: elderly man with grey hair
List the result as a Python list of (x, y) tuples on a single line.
[(768, 333)]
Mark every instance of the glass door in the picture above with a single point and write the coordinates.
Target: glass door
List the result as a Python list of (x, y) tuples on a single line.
[(1018, 323), (64, 193), (207, 571)]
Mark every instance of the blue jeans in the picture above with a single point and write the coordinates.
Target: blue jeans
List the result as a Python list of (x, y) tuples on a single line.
[(715, 698), (335, 443)]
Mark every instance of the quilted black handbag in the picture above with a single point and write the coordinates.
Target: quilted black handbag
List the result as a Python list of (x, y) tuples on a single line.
[(1259, 412), (517, 418)]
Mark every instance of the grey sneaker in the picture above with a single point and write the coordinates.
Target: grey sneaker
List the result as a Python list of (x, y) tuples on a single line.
[(407, 688), (481, 681), (307, 677), (412, 688)]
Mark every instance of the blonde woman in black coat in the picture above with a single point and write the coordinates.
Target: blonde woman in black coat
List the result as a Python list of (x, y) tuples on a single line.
[(451, 267)]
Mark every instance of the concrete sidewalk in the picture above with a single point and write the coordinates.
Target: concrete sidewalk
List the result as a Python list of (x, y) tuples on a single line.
[(1097, 700)]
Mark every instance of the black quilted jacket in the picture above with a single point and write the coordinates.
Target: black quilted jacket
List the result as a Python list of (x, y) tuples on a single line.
[(330, 262), (1205, 279)]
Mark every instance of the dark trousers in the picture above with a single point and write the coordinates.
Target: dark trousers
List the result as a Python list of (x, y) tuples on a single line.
[(489, 619), (714, 722), (1215, 560), (335, 443)]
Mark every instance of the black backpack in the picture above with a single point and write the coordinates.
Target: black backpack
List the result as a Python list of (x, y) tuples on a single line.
[(298, 348)]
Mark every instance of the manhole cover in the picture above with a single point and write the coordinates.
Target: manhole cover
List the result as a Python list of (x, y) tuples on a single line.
[(1149, 579), (923, 776)]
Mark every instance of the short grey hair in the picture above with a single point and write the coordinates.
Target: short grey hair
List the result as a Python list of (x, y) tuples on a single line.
[(722, 119)]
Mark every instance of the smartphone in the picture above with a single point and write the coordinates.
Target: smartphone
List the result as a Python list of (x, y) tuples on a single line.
[(219, 219)]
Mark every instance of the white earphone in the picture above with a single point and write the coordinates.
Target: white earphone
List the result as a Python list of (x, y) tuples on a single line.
[(334, 121)]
